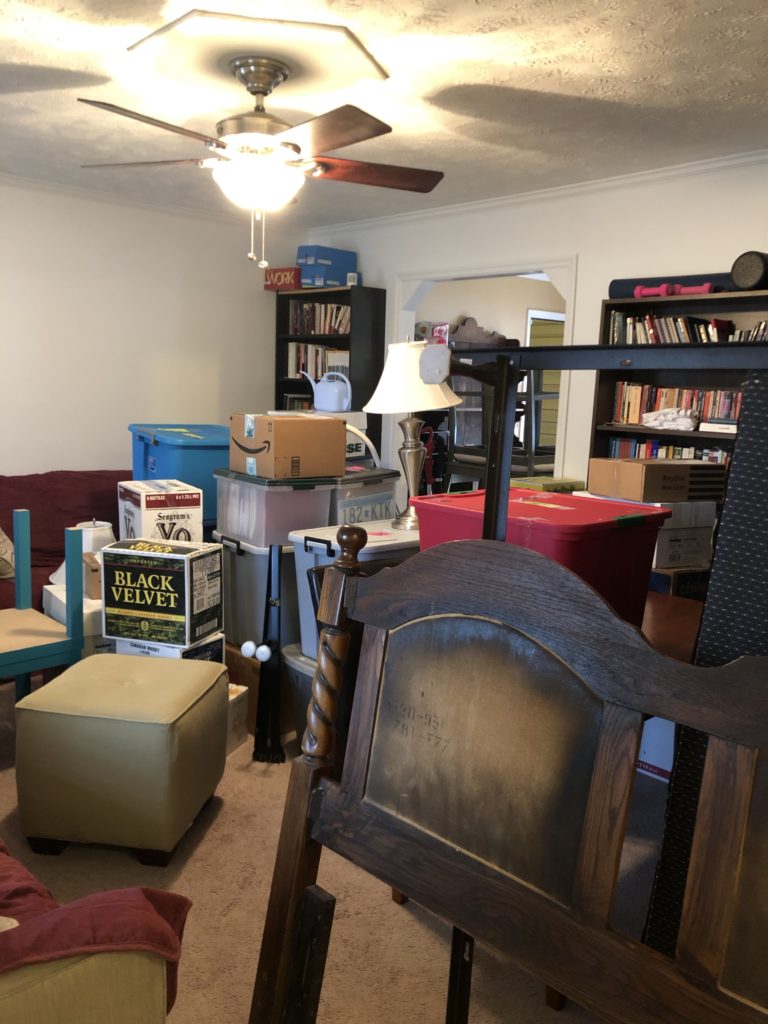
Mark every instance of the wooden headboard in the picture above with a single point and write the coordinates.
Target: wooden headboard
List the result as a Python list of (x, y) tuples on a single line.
[(489, 767)]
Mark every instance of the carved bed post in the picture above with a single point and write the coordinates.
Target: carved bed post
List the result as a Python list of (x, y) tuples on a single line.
[(298, 856)]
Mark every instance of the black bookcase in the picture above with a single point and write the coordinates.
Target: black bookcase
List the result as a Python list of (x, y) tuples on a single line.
[(316, 317), (678, 320)]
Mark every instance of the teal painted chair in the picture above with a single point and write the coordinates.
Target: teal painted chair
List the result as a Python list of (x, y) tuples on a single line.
[(29, 640)]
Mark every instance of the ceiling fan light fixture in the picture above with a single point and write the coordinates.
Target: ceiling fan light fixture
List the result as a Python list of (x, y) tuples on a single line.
[(258, 181)]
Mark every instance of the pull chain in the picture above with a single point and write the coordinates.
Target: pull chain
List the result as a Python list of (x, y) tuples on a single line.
[(263, 262), (259, 215)]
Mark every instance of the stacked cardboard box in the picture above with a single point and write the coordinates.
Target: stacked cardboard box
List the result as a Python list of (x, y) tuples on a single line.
[(160, 510), (163, 598)]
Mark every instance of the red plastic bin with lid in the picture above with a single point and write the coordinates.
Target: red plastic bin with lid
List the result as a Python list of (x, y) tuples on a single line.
[(608, 543)]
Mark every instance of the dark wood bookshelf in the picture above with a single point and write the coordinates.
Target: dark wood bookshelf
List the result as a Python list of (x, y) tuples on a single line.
[(719, 365), (364, 341)]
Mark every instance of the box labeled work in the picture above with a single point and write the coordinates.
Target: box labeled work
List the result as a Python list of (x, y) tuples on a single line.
[(660, 480), (281, 279), (160, 510), (162, 592), (210, 649), (287, 447)]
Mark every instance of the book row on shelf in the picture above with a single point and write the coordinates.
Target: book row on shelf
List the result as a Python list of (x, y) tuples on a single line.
[(297, 402), (651, 329), (656, 448), (315, 359), (714, 405), (317, 317)]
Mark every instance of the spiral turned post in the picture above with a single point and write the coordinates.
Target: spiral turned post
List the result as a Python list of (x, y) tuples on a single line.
[(318, 740)]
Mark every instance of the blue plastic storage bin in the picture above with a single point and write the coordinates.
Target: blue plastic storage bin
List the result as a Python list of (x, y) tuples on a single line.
[(182, 451)]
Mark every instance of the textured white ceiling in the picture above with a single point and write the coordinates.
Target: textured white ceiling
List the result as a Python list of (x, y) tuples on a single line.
[(504, 97)]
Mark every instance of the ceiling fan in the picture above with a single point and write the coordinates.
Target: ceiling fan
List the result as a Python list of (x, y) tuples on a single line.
[(260, 162)]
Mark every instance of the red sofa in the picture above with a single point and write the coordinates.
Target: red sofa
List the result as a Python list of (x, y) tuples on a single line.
[(56, 500)]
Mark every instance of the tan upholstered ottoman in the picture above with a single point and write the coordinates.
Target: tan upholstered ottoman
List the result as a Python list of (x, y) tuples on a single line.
[(122, 750)]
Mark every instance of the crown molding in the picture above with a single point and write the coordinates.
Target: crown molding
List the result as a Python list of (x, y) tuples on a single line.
[(635, 179)]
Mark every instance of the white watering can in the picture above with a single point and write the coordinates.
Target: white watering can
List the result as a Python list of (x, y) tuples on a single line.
[(332, 393)]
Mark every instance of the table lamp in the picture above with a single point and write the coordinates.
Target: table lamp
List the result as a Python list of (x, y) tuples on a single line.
[(401, 390)]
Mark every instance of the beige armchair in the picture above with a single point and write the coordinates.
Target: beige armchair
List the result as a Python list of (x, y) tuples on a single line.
[(109, 956)]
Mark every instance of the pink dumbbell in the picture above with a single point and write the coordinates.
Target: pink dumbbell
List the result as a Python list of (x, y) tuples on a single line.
[(694, 289), (662, 289)]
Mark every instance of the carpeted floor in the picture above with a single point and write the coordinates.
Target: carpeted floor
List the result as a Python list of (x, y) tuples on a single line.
[(387, 963)]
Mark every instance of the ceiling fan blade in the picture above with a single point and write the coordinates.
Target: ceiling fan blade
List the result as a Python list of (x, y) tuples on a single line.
[(147, 163), (410, 179), (207, 139), (338, 128)]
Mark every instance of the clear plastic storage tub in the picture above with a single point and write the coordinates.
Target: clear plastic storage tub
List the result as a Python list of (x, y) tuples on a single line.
[(261, 512)]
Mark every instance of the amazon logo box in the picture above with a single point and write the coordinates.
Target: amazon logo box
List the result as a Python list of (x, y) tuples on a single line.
[(284, 447), (161, 592)]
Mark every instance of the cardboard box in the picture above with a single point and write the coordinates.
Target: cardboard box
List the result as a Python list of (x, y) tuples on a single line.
[(659, 480), (683, 513), (684, 546), (160, 510), (211, 649), (91, 576), (326, 256), (161, 592), (287, 447), (244, 672), (690, 582), (237, 725), (282, 279)]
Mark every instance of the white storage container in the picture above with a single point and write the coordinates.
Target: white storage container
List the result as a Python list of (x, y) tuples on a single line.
[(245, 576), (261, 512), (299, 671), (364, 496), (313, 548)]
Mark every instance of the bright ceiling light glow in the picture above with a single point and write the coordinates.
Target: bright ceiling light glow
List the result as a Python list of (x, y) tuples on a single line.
[(255, 181)]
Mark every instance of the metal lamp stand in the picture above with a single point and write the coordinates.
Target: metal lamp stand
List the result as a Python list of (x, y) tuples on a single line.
[(412, 455)]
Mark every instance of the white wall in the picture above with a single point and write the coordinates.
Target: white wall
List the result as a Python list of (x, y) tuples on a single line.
[(684, 221), (114, 314)]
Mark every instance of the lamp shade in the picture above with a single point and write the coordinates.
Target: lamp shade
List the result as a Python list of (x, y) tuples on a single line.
[(401, 389)]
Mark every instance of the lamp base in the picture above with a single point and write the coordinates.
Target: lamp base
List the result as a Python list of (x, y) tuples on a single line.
[(407, 520), (412, 455)]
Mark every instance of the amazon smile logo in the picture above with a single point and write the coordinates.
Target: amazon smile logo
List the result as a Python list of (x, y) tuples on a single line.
[(252, 451)]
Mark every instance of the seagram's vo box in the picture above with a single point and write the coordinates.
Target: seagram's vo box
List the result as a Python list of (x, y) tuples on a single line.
[(160, 509), (161, 592)]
